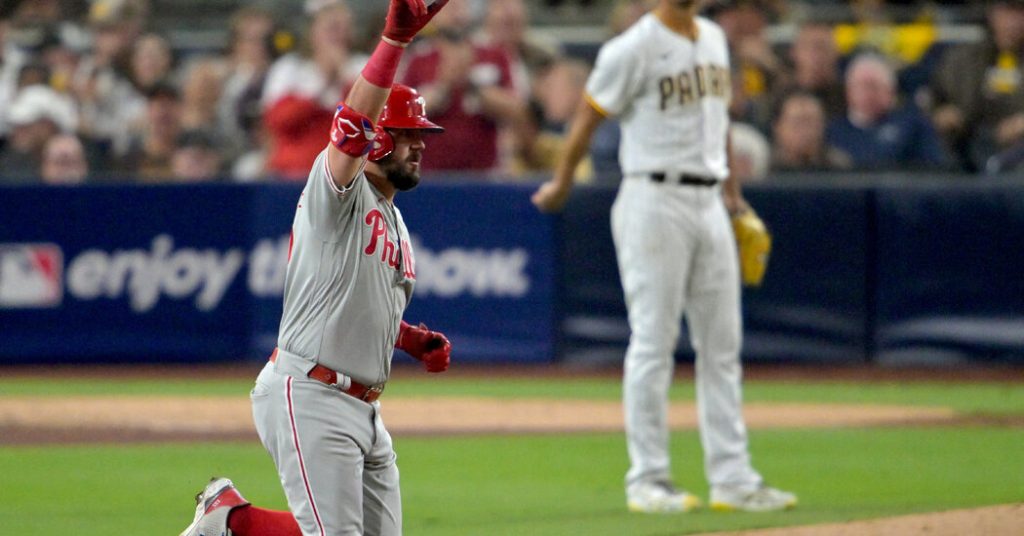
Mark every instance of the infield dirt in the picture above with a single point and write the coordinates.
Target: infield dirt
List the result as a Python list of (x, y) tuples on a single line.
[(30, 419), (119, 419)]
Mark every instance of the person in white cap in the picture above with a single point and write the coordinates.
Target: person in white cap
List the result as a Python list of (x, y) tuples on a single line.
[(37, 114)]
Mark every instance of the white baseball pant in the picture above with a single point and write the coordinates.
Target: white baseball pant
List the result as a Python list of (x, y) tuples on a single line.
[(676, 252)]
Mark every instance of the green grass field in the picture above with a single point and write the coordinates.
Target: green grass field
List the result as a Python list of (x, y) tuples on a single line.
[(544, 485)]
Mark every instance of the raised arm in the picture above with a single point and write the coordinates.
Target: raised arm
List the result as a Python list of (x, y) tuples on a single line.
[(352, 130)]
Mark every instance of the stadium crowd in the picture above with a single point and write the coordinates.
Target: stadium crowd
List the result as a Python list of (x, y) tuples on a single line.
[(89, 93)]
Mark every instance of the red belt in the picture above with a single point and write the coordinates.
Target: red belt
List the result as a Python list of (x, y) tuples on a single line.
[(323, 374)]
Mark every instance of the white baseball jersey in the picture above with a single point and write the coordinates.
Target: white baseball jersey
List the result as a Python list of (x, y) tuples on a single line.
[(674, 244), (655, 80), (350, 276)]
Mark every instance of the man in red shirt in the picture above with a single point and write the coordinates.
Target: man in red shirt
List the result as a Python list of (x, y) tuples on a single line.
[(470, 90)]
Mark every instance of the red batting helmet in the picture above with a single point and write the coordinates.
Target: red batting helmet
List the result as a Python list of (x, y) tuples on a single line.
[(405, 108)]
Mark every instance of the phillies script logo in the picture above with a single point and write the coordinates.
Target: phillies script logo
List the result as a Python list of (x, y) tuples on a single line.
[(389, 250)]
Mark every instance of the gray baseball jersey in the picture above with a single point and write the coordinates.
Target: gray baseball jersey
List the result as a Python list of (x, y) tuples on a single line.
[(350, 276)]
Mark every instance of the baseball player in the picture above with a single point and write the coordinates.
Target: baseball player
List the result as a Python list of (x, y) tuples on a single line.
[(350, 276), (667, 80)]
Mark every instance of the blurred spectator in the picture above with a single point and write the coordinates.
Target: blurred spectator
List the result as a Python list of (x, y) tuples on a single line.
[(36, 12), (303, 87), (749, 153), (200, 93), (11, 60), (798, 137), (148, 158), (908, 44), (151, 61), (37, 114), (478, 86), (33, 73), (815, 69), (254, 44), (470, 92), (61, 59), (64, 161), (36, 21), (979, 90), (196, 157), (505, 27), (757, 71), (559, 91), (109, 102), (877, 134)]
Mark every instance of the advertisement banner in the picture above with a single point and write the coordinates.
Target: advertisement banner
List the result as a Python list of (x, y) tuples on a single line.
[(957, 290), (812, 306), (196, 273)]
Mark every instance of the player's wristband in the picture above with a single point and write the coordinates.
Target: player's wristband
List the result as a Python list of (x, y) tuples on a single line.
[(380, 69)]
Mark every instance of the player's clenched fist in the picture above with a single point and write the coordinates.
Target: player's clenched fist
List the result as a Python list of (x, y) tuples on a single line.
[(551, 196), (407, 17), (430, 347)]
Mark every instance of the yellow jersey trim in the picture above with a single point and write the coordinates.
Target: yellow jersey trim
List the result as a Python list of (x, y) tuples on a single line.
[(593, 104)]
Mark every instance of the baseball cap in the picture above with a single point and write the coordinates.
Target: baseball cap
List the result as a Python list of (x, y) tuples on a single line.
[(38, 102)]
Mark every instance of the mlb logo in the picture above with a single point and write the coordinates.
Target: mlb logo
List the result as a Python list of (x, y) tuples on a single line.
[(31, 275)]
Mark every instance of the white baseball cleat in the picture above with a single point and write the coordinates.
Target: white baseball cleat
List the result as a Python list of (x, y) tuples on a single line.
[(213, 505), (659, 498), (759, 499)]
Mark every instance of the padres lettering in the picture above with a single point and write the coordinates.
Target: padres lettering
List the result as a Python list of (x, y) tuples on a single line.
[(688, 87)]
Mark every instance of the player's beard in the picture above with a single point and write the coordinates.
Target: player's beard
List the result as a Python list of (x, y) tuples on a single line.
[(399, 173)]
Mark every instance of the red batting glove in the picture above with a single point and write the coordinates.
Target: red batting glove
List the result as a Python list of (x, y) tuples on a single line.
[(407, 17), (430, 347), (439, 359)]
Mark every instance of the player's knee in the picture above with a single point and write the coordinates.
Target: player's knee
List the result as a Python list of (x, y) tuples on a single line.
[(722, 353), (651, 350)]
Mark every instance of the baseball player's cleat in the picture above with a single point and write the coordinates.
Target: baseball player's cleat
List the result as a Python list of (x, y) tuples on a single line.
[(213, 505), (660, 498), (762, 499)]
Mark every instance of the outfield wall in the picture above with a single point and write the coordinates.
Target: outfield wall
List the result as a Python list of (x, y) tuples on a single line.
[(861, 270)]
